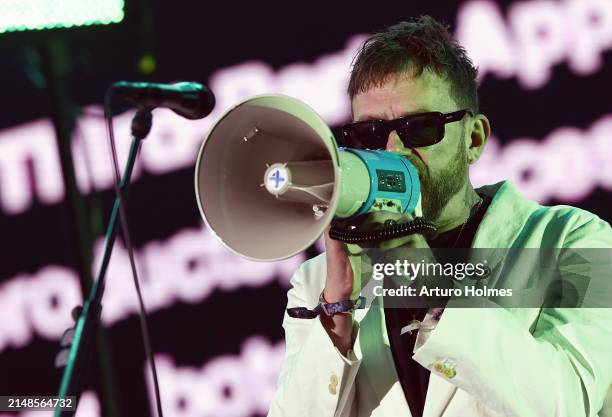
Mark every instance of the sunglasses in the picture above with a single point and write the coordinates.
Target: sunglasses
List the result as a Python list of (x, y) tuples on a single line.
[(416, 130)]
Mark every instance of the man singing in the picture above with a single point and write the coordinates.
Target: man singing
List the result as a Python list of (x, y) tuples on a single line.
[(413, 92)]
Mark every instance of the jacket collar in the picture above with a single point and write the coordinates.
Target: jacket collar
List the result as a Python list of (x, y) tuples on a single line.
[(505, 217)]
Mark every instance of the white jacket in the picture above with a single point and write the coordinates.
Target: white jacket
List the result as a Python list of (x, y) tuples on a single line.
[(523, 362)]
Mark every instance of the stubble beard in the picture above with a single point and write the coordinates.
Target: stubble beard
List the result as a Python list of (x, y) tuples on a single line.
[(437, 190)]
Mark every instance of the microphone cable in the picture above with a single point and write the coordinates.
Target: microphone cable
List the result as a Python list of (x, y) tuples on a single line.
[(144, 327)]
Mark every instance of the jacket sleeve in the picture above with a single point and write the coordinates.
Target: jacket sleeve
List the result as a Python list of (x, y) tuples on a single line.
[(315, 378), (561, 366)]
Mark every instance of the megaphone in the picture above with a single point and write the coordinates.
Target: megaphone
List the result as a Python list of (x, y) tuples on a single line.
[(270, 179)]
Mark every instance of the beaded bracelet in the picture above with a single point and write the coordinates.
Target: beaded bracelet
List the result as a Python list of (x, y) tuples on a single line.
[(329, 309)]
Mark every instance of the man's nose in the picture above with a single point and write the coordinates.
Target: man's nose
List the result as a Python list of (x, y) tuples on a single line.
[(394, 143)]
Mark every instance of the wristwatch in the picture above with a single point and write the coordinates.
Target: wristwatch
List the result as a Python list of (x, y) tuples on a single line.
[(329, 309)]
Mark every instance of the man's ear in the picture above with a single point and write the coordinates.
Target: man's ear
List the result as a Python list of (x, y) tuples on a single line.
[(479, 130)]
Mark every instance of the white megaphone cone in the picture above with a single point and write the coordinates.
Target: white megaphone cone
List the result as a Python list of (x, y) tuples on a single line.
[(270, 178)]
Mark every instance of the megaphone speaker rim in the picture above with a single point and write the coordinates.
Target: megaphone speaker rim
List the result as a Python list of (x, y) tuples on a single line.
[(333, 152)]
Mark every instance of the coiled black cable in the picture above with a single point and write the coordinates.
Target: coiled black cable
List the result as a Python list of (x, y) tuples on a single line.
[(388, 232)]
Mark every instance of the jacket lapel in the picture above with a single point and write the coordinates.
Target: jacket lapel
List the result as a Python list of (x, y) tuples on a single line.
[(504, 219)]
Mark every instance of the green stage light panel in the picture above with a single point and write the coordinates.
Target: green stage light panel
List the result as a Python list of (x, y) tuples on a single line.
[(22, 15)]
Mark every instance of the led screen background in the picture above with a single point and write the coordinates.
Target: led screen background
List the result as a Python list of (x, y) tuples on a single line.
[(546, 78)]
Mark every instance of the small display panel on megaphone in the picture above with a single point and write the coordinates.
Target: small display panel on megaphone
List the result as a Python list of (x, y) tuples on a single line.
[(270, 179)]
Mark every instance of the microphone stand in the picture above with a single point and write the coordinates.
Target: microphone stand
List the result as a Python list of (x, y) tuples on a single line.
[(80, 340)]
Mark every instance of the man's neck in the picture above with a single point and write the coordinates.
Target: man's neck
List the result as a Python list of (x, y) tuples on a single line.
[(458, 209)]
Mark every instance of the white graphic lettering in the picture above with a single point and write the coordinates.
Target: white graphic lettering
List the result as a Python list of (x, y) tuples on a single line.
[(188, 267), (228, 386)]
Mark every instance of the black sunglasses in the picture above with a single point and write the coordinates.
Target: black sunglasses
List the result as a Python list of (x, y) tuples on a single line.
[(416, 130)]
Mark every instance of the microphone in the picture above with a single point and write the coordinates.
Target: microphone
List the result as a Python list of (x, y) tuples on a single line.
[(188, 99)]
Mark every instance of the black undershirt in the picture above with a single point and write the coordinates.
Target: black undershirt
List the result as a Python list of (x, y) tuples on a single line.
[(413, 377)]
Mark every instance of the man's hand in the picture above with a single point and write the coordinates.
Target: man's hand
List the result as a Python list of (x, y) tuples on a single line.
[(339, 281), (376, 220), (340, 278)]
